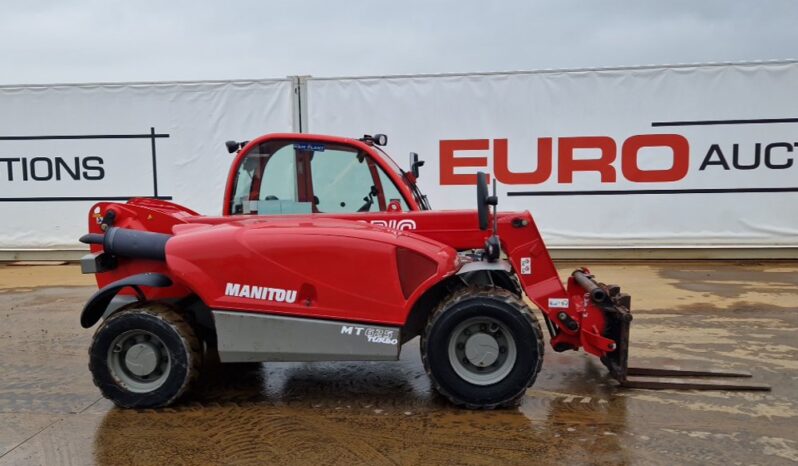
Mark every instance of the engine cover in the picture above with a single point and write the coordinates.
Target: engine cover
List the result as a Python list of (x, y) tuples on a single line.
[(309, 267)]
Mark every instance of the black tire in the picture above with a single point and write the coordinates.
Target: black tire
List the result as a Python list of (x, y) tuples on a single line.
[(507, 310), (177, 338)]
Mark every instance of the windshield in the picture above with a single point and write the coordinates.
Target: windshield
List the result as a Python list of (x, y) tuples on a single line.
[(389, 160), (421, 199)]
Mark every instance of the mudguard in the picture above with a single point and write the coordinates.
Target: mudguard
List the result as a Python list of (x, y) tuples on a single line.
[(100, 300)]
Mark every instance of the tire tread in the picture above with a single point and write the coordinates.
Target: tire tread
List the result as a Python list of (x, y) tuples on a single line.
[(182, 328), (481, 292)]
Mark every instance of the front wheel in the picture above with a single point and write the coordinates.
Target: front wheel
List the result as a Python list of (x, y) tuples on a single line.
[(482, 348), (144, 357)]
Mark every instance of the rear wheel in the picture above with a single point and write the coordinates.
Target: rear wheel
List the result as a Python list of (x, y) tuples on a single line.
[(144, 357), (482, 348)]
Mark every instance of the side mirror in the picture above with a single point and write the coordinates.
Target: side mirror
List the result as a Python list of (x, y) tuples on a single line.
[(235, 146), (484, 201), (232, 146), (415, 164)]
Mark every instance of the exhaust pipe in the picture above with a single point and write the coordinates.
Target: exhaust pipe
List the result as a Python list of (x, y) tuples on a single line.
[(130, 243)]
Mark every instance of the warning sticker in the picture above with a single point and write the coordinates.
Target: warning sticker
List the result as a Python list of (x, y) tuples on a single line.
[(558, 303), (526, 266)]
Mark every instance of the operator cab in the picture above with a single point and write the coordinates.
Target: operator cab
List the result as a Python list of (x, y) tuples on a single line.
[(300, 175)]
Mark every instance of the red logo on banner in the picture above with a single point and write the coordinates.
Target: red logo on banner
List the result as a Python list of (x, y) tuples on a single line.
[(452, 157)]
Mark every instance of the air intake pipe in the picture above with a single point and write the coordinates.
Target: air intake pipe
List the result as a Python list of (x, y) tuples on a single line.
[(130, 243)]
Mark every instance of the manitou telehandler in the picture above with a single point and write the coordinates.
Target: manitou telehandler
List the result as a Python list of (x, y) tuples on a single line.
[(327, 251)]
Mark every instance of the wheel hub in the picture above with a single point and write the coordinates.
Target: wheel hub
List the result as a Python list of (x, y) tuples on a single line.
[(139, 361), (142, 359), (482, 350)]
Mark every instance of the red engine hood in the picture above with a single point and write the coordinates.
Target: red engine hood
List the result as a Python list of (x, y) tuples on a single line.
[(332, 268)]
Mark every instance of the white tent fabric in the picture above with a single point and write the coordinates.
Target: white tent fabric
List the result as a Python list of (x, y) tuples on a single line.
[(748, 198), (688, 156), (63, 145)]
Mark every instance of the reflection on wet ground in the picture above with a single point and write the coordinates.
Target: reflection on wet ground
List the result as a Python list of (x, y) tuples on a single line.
[(710, 314)]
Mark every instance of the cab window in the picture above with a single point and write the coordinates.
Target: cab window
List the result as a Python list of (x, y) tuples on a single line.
[(266, 183), (293, 177), (390, 191)]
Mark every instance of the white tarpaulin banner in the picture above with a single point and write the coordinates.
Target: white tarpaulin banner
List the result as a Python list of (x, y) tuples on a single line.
[(64, 147), (688, 156)]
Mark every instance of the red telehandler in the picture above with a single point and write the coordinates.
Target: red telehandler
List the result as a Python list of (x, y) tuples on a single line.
[(327, 251)]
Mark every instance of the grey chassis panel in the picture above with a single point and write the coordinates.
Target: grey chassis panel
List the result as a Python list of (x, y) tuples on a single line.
[(502, 265), (251, 337)]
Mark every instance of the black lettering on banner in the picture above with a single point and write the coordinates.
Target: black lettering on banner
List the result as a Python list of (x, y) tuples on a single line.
[(77, 168), (37, 173), (714, 149), (98, 168), (9, 166), (769, 163), (736, 157), (61, 163)]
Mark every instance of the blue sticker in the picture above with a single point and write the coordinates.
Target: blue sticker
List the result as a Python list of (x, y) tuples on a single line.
[(309, 146)]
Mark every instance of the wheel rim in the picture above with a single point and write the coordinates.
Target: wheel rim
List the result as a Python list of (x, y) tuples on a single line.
[(139, 361), (482, 350)]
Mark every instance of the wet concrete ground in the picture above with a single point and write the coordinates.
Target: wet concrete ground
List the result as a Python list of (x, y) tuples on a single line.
[(740, 316)]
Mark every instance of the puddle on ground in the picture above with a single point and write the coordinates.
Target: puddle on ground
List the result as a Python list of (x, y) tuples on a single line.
[(386, 413)]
